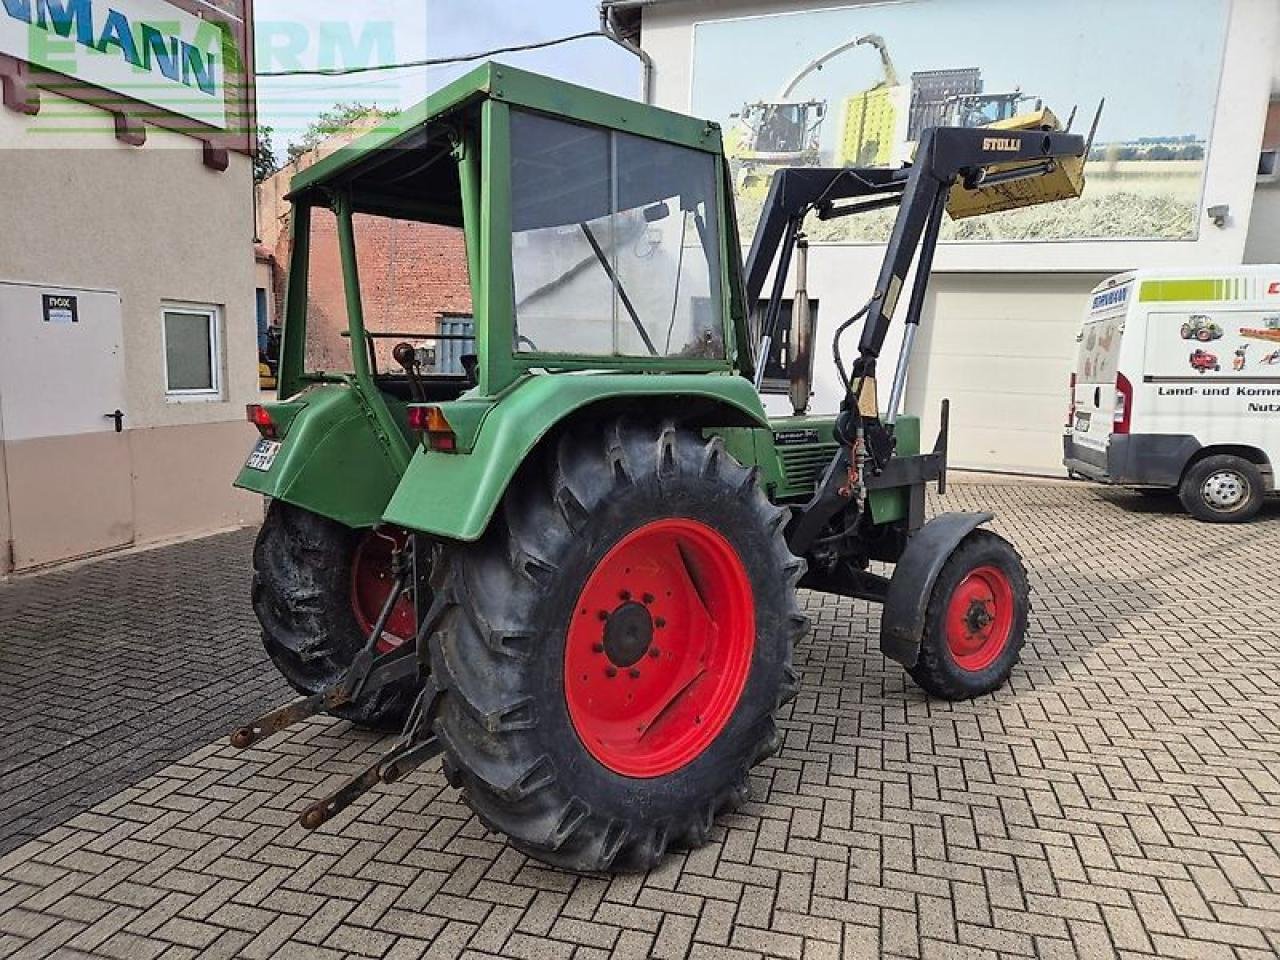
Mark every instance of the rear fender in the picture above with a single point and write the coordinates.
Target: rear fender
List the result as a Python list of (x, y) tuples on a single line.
[(903, 620), (331, 460), (454, 495)]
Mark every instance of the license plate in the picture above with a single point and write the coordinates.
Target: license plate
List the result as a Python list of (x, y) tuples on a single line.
[(263, 455), (1082, 423)]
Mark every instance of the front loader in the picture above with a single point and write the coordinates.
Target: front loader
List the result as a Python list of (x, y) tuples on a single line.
[(572, 567)]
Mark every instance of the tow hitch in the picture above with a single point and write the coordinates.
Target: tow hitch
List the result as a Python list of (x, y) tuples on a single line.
[(369, 670)]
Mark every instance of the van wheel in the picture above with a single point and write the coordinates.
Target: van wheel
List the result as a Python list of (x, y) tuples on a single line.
[(1222, 489)]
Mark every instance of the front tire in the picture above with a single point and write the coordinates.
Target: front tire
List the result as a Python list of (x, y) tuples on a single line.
[(976, 620), (315, 584), (615, 647), (1222, 489)]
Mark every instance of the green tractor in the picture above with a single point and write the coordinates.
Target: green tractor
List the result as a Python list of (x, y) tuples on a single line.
[(570, 564)]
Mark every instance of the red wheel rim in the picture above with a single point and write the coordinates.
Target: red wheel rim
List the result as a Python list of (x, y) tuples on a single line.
[(659, 647), (980, 618), (371, 581)]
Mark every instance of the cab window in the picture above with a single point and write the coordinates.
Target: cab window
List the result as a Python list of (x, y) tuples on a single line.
[(615, 245)]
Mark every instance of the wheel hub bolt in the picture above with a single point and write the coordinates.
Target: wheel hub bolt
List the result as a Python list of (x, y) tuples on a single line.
[(624, 595), (647, 598), (659, 622), (610, 672), (634, 673), (597, 648), (654, 652), (602, 615)]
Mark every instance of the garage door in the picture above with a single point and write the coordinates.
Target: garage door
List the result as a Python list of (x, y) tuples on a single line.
[(1001, 348)]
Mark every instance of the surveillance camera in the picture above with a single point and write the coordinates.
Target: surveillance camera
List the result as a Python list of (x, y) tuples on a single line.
[(1218, 213)]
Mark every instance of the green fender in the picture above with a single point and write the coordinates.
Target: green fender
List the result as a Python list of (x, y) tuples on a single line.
[(453, 495), (331, 459)]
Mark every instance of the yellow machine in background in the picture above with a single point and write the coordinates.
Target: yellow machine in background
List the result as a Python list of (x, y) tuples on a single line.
[(873, 126), (783, 132)]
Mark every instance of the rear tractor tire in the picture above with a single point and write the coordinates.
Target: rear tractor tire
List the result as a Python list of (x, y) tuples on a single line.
[(976, 620), (1222, 489), (614, 649), (317, 589)]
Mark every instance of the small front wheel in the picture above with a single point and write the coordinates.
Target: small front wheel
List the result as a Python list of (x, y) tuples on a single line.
[(976, 620), (1222, 489)]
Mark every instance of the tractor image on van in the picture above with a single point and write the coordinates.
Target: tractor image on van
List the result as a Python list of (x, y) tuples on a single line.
[(571, 567), (1199, 327)]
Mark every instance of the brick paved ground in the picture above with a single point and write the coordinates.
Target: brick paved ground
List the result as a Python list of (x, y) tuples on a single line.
[(112, 669), (1120, 798)]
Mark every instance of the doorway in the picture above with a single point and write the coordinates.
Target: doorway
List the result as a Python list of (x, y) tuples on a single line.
[(63, 418)]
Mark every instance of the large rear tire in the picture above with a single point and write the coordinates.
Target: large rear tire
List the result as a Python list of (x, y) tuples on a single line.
[(614, 649), (315, 584)]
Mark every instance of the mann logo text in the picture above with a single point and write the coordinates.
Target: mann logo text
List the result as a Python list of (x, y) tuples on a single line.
[(147, 50), (144, 46)]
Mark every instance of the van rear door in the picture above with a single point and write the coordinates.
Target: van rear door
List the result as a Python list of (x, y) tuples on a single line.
[(1094, 400)]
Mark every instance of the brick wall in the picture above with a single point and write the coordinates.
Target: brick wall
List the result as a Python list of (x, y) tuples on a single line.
[(410, 273)]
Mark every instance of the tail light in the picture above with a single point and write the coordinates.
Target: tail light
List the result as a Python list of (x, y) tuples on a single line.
[(431, 422), (1123, 415), (1071, 408), (260, 417)]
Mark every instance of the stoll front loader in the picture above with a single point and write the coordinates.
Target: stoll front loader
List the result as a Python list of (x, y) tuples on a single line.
[(572, 567)]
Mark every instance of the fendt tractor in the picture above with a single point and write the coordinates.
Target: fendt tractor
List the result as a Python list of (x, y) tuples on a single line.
[(571, 565)]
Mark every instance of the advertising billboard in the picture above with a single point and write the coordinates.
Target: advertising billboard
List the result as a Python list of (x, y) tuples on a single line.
[(854, 86), (148, 51)]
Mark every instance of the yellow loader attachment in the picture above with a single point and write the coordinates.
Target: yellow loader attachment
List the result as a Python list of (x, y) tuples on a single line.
[(1059, 179)]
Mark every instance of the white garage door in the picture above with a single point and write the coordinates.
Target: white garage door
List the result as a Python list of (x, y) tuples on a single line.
[(1001, 348)]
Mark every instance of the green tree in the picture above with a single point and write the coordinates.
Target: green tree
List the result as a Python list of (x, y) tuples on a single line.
[(264, 161), (334, 120)]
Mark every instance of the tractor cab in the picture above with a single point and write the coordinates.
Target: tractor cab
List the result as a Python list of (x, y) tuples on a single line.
[(589, 243), (508, 227)]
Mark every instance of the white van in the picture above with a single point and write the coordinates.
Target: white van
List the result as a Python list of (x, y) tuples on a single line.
[(1177, 386)]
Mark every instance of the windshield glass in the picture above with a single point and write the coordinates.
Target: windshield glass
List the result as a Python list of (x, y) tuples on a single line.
[(615, 246)]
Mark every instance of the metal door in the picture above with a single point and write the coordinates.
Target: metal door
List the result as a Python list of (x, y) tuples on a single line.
[(63, 423)]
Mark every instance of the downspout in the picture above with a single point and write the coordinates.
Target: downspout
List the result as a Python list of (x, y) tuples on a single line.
[(609, 29)]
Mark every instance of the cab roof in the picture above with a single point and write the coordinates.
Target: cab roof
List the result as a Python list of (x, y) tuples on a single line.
[(406, 144)]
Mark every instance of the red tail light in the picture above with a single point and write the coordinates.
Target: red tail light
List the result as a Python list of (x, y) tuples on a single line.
[(1071, 409), (260, 417), (431, 421), (1123, 415)]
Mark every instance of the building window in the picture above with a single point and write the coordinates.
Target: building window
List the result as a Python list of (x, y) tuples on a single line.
[(1269, 166), (191, 354)]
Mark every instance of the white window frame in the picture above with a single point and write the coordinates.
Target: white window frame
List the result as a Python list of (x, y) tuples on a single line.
[(214, 315), (1269, 157)]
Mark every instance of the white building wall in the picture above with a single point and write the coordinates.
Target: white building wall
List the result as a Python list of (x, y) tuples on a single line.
[(82, 210)]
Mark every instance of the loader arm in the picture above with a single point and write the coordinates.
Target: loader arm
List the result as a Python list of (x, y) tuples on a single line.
[(977, 161), (986, 170)]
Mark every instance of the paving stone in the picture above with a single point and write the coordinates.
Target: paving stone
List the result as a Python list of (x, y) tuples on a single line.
[(1118, 798)]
